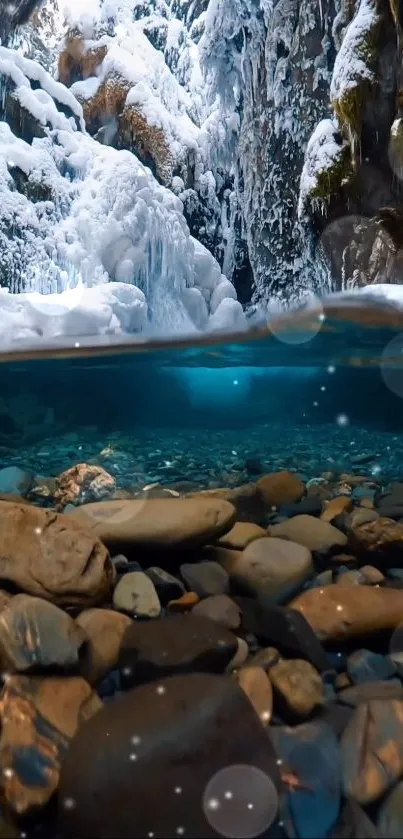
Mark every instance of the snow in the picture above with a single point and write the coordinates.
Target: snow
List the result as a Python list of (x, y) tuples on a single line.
[(323, 153), (103, 217), (350, 66)]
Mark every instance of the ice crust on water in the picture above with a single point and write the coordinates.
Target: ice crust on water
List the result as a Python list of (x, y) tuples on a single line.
[(101, 216)]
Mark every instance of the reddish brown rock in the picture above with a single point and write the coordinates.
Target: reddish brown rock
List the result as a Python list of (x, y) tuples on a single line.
[(83, 484), (280, 488), (255, 683), (336, 507), (382, 536), (372, 750), (36, 634), (184, 603), (39, 717), (103, 630), (298, 686), (50, 556), (246, 499), (336, 612), (242, 533)]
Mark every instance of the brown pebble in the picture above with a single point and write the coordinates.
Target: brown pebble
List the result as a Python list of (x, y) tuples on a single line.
[(336, 507), (184, 603), (256, 685), (372, 575), (350, 578), (342, 681)]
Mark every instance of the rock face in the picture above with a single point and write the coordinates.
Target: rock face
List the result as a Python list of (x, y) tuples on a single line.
[(268, 568), (50, 556), (99, 774), (39, 717), (35, 634), (178, 644), (337, 612), (157, 523)]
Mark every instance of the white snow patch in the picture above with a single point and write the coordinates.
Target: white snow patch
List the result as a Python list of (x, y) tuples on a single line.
[(349, 67), (323, 153)]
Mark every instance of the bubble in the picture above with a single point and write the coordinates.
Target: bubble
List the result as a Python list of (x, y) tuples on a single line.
[(69, 803), (302, 326), (342, 420), (240, 801), (391, 365)]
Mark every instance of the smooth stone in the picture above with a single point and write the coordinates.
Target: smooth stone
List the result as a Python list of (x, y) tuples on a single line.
[(257, 687), (166, 585), (310, 756), (372, 750), (297, 686), (120, 563), (310, 506), (338, 612), (39, 717), (52, 556), (103, 630), (240, 535), (350, 578), (360, 516), (367, 666), (354, 695), (390, 510), (35, 635), (265, 658), (151, 524), (325, 578), (372, 576), (314, 534), (246, 499), (286, 629), (354, 823), (335, 715), (240, 656), (83, 484), (15, 481), (280, 488), (336, 507), (342, 681), (221, 609), (176, 644), (135, 594), (185, 603), (390, 816), (101, 778), (382, 537), (205, 578), (270, 568)]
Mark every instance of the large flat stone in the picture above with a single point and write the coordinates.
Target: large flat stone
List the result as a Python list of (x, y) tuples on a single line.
[(170, 523), (269, 568), (336, 612)]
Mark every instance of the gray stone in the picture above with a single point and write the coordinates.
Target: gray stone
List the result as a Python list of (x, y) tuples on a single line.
[(205, 578), (221, 609), (135, 594), (274, 569)]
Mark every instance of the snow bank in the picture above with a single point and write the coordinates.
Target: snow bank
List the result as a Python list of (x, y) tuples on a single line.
[(75, 213), (351, 65)]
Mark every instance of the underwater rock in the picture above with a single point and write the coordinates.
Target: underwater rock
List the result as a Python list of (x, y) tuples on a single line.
[(246, 499), (103, 630), (240, 656), (184, 603), (15, 481), (381, 538), (176, 644), (39, 716), (313, 533), (392, 689), (132, 745), (221, 609), (285, 629), (372, 576), (256, 685), (311, 769), (280, 488), (52, 556), (311, 505), (336, 507), (390, 816), (170, 524), (270, 568), (298, 687), (83, 484), (265, 658), (241, 535), (135, 594), (354, 823), (205, 578), (372, 750), (35, 634), (166, 585), (337, 612), (367, 666)]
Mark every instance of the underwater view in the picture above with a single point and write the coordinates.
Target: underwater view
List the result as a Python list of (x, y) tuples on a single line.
[(201, 414)]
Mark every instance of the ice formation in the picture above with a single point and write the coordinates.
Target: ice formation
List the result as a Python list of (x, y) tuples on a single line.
[(90, 223)]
